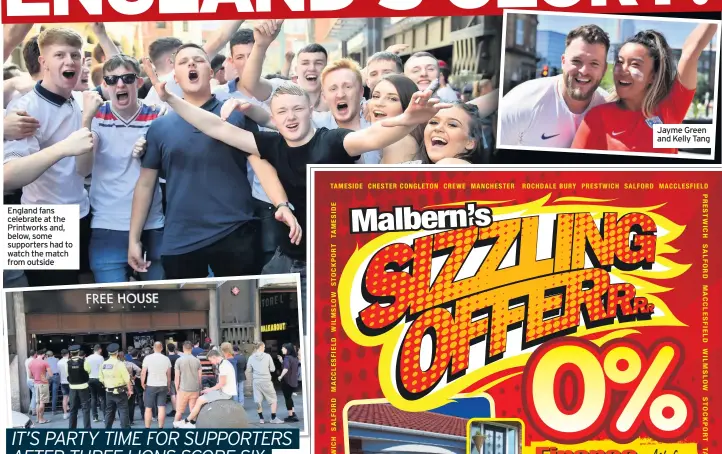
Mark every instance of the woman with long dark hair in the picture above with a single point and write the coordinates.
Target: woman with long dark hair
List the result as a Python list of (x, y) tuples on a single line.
[(650, 89), (390, 98), (289, 378), (454, 136)]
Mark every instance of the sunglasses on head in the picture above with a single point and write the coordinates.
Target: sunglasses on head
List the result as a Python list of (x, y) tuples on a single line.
[(127, 79)]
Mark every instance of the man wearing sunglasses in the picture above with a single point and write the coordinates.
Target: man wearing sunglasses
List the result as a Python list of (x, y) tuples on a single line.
[(116, 125)]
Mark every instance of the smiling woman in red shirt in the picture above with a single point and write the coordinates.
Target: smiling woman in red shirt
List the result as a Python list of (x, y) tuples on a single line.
[(650, 89)]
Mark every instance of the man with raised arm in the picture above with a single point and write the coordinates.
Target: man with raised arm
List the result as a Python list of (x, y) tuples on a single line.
[(341, 89), (310, 61), (241, 46), (298, 145), (209, 213), (163, 51)]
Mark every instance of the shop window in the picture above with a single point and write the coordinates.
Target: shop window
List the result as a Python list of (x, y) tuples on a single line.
[(160, 25)]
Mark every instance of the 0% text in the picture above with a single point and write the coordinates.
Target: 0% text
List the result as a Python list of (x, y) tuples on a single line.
[(576, 390)]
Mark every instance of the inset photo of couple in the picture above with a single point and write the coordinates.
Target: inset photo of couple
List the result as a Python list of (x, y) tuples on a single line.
[(600, 83)]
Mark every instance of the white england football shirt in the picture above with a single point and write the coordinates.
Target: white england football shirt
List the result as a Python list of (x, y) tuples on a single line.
[(58, 118), (535, 114), (116, 171)]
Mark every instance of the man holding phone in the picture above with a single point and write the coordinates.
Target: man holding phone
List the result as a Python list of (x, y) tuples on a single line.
[(116, 125)]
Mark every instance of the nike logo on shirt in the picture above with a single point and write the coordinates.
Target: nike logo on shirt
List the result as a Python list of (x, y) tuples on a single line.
[(546, 137), (615, 134)]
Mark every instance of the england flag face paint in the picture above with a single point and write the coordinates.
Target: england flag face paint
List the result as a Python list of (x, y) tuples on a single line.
[(633, 71)]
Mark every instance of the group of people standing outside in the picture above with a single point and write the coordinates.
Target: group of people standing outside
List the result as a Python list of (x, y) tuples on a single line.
[(146, 378)]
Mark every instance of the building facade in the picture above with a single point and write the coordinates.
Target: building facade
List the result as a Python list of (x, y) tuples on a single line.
[(138, 316), (706, 66), (131, 316), (550, 46), (186, 31), (624, 29), (520, 59), (470, 45)]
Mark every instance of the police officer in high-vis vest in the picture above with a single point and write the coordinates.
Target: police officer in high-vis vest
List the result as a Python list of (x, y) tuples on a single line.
[(78, 371), (118, 387)]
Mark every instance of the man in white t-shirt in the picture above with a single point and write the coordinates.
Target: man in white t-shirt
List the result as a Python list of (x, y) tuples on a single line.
[(225, 389), (116, 126), (43, 165), (97, 391), (155, 378), (423, 68), (547, 112), (310, 61)]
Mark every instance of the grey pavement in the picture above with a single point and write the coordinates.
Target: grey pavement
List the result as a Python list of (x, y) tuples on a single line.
[(57, 421)]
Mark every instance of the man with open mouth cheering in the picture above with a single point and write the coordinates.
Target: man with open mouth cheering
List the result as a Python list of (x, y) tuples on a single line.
[(209, 209), (44, 164), (298, 145)]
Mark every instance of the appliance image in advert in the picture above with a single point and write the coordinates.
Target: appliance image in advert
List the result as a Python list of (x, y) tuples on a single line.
[(510, 312)]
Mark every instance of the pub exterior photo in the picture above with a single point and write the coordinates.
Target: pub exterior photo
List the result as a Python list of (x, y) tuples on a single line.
[(139, 315)]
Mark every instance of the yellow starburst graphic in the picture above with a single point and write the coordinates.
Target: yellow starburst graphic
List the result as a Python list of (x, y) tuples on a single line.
[(433, 305)]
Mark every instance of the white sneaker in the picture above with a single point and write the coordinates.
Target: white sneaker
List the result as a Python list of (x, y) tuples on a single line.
[(179, 424), (261, 422), (277, 421), (66, 415), (188, 425)]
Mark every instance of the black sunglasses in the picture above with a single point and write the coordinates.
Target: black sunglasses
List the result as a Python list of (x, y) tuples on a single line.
[(127, 79)]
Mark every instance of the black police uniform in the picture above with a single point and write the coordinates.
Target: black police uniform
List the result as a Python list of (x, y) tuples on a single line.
[(79, 398)]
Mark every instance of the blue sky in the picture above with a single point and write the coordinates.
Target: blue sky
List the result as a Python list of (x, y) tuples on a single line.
[(675, 32)]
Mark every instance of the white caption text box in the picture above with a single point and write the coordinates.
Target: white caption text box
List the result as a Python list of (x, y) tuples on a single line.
[(683, 136), (41, 237)]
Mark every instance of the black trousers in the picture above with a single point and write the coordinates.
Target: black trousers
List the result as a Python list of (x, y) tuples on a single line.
[(97, 397), (287, 394), (233, 255), (43, 278), (138, 397), (116, 402), (131, 406), (79, 398), (268, 234)]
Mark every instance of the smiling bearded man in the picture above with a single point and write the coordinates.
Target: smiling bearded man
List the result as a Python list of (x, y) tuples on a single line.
[(547, 112)]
